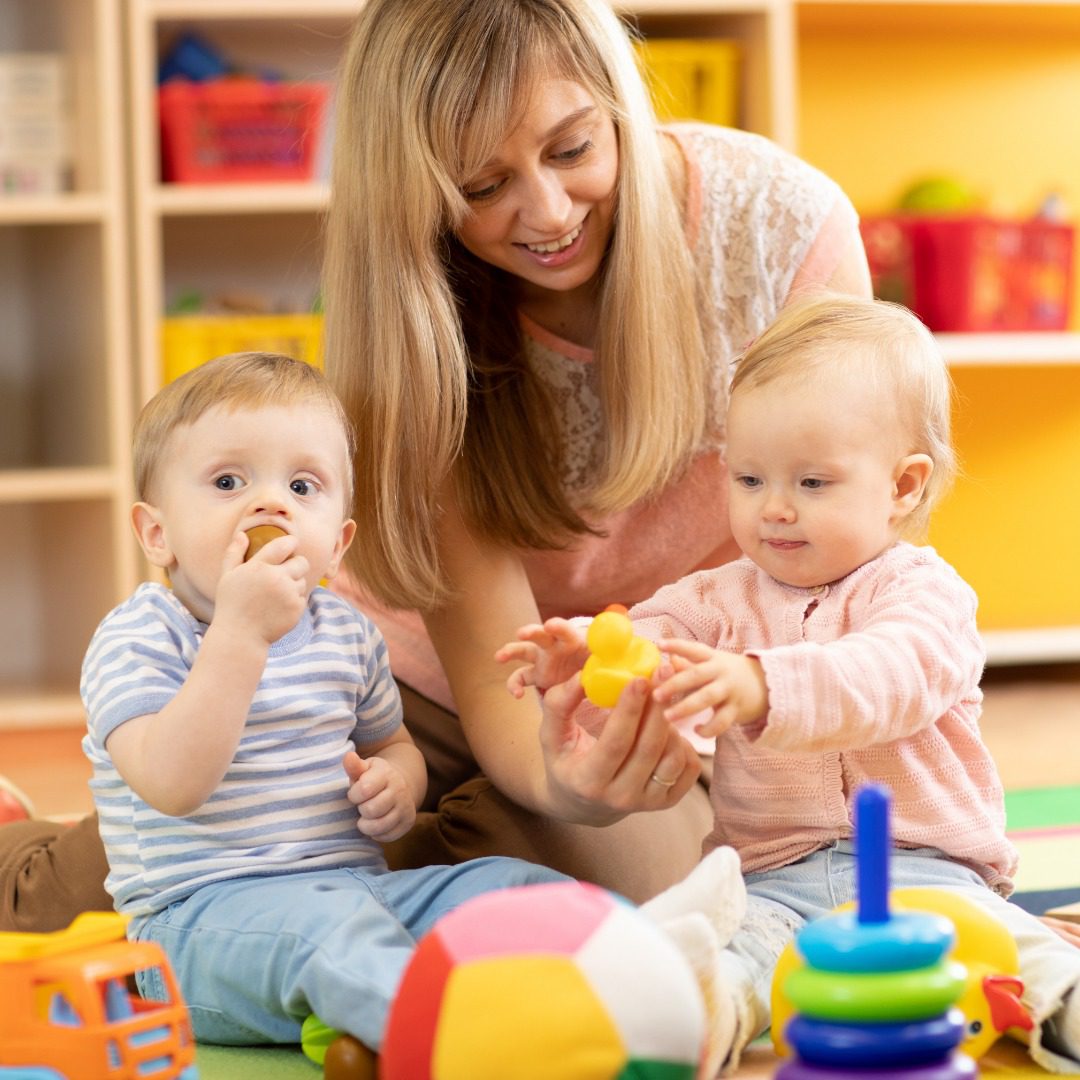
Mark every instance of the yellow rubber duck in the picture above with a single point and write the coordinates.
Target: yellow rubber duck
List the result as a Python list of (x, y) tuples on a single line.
[(618, 655), (991, 1001)]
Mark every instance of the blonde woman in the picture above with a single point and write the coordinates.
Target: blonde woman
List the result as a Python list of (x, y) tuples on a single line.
[(533, 294)]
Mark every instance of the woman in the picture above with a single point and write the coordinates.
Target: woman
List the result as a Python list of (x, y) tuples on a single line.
[(532, 298)]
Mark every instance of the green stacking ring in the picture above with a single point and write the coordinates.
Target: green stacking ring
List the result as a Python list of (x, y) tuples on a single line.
[(876, 997)]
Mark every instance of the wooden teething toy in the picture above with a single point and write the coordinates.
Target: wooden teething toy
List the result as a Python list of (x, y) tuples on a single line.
[(260, 536)]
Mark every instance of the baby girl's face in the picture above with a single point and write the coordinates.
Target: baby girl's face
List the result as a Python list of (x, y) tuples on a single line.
[(813, 469)]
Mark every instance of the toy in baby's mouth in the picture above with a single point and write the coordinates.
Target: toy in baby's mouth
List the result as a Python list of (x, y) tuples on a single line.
[(618, 655), (260, 536), (883, 993), (559, 981)]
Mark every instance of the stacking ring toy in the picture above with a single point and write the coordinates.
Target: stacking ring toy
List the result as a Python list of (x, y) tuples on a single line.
[(880, 996), (822, 1042), (957, 1067), (907, 940)]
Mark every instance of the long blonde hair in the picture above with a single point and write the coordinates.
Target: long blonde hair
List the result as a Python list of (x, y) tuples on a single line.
[(883, 345), (423, 341)]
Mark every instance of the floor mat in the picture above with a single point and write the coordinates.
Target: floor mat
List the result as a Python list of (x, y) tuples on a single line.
[(1044, 825)]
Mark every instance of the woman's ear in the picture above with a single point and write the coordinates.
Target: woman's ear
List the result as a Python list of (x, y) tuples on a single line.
[(150, 532), (910, 478)]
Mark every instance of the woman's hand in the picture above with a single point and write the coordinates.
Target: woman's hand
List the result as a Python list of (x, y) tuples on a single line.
[(550, 653), (638, 761)]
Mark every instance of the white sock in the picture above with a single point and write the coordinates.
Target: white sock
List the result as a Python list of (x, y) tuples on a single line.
[(700, 916), (1066, 1027), (714, 888)]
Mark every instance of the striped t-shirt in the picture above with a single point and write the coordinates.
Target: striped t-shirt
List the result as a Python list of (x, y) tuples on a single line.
[(282, 805)]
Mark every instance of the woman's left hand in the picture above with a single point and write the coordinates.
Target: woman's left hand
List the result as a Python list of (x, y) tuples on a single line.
[(637, 761)]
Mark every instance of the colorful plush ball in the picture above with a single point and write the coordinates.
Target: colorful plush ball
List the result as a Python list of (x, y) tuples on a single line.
[(561, 981)]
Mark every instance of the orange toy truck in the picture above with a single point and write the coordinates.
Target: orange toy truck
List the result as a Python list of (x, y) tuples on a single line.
[(68, 1013)]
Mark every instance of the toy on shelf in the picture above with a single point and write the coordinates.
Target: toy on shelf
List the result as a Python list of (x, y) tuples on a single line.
[(68, 1014), (560, 981), (618, 656), (877, 989)]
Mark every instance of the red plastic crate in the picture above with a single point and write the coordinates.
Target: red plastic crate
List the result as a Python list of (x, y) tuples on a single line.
[(973, 272), (239, 130)]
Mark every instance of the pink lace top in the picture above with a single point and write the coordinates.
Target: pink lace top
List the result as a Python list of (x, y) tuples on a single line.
[(762, 224)]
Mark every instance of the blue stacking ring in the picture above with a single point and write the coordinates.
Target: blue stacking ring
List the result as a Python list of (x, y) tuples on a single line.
[(920, 1042), (906, 940)]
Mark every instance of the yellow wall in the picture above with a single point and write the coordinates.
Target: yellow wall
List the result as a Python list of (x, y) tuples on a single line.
[(989, 94), (890, 94), (1011, 526)]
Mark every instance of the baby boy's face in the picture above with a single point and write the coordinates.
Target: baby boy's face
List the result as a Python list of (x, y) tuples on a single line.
[(231, 470)]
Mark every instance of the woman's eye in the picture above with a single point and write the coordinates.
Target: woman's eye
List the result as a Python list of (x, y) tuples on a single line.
[(479, 194), (574, 152), (227, 483), (302, 487)]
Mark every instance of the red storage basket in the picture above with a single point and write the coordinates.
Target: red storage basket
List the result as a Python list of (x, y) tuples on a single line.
[(973, 272), (239, 130)]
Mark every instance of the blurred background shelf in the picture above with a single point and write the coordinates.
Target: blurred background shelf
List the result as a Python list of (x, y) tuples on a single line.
[(877, 93)]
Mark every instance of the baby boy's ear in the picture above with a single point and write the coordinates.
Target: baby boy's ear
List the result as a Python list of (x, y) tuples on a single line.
[(348, 531), (909, 482), (149, 531)]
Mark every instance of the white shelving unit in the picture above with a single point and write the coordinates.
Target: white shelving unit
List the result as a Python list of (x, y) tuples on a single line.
[(65, 377)]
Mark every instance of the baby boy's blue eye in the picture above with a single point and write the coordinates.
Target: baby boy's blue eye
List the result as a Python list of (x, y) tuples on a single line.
[(225, 483), (302, 487)]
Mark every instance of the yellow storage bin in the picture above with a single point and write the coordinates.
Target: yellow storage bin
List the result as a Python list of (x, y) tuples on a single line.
[(693, 78), (190, 340)]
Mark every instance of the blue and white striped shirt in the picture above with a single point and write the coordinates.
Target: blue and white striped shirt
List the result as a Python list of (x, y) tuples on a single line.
[(282, 805)]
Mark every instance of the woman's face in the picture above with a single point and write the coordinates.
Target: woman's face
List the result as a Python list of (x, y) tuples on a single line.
[(542, 207)]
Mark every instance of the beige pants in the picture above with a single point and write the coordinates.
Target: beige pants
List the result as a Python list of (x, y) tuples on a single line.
[(49, 873)]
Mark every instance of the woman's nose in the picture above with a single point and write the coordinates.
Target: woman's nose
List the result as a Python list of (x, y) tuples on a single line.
[(545, 205)]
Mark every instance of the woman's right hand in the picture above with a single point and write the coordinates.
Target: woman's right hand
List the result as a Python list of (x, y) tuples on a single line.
[(637, 760)]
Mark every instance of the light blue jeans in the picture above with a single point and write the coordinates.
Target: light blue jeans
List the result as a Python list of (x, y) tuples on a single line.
[(781, 901), (255, 956)]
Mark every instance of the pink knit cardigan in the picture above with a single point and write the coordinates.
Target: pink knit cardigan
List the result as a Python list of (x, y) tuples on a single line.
[(872, 678)]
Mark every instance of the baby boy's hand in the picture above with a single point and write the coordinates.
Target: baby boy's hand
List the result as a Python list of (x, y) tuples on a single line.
[(265, 595), (382, 797)]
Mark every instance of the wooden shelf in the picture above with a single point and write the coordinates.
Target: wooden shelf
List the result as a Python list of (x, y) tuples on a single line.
[(1010, 349), (1036, 646), (179, 200), (40, 707), (57, 485), (51, 209)]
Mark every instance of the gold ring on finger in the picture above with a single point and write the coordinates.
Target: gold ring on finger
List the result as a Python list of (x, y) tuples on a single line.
[(663, 783)]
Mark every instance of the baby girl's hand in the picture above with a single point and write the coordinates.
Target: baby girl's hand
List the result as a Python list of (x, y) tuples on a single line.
[(381, 794), (731, 687), (551, 654)]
